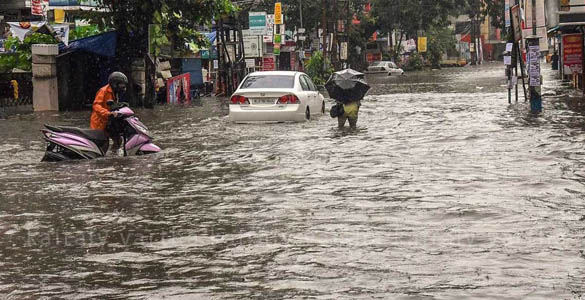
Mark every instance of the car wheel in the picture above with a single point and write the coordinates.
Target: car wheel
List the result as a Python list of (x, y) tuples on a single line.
[(307, 114), (323, 108)]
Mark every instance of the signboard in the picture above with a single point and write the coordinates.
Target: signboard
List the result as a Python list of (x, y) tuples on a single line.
[(508, 60), (276, 49), (278, 13), (372, 57), (343, 51), (534, 65), (509, 47), (252, 46), (515, 14), (215, 64), (422, 44), (572, 52), (268, 63), (507, 13), (250, 63), (269, 29), (257, 23), (179, 89)]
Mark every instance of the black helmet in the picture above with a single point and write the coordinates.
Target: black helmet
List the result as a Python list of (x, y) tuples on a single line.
[(118, 81)]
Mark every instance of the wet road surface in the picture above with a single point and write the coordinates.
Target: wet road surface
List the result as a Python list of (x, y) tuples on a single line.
[(444, 192)]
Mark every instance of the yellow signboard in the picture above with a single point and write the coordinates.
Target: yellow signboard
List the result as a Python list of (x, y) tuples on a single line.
[(278, 13), (422, 44)]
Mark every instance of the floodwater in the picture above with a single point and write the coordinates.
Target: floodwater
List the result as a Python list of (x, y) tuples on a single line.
[(445, 191)]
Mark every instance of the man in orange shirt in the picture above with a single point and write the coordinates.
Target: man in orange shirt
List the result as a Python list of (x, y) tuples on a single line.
[(117, 85)]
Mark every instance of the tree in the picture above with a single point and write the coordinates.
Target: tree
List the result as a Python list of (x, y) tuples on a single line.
[(177, 20), (408, 17), (441, 41)]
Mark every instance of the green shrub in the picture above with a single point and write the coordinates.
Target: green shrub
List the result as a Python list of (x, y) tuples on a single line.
[(83, 32), (22, 56), (315, 69), (414, 62)]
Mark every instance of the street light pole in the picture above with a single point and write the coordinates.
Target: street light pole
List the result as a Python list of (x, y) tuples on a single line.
[(301, 11)]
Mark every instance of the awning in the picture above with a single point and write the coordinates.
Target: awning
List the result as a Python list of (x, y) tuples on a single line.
[(73, 4), (211, 36), (554, 29), (102, 44)]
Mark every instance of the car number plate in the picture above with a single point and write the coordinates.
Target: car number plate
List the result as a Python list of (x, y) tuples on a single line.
[(264, 101)]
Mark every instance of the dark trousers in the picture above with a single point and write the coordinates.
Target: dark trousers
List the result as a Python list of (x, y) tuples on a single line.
[(342, 119)]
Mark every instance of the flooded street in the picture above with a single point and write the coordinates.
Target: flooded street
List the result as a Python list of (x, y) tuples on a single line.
[(445, 191)]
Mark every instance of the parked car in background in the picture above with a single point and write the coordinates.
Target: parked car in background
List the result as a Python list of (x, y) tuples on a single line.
[(388, 67), (276, 96)]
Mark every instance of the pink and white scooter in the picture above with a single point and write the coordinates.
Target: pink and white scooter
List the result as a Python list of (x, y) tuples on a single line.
[(70, 143)]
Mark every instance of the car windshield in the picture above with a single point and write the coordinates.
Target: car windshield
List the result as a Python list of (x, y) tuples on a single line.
[(378, 64), (269, 82)]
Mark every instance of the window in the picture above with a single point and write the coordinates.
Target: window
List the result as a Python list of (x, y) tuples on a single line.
[(304, 83), (269, 82), (312, 86)]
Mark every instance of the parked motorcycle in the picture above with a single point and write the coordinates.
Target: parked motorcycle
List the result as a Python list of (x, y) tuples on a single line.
[(70, 143)]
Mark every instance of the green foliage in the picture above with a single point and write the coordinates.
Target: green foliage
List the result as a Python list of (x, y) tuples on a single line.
[(358, 36), (441, 40), (312, 11), (414, 62), (22, 56), (411, 16), (158, 39), (83, 32), (316, 70), (178, 20)]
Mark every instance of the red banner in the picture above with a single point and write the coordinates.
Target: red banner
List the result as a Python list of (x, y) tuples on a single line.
[(573, 52), (179, 89), (293, 61), (39, 7), (36, 7), (372, 57), (268, 63)]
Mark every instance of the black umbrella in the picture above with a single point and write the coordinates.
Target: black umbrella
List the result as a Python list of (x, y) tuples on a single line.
[(347, 86)]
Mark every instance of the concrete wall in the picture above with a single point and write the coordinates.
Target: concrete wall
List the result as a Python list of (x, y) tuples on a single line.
[(551, 11)]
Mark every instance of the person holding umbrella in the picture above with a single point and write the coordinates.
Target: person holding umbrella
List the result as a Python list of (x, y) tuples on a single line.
[(348, 88)]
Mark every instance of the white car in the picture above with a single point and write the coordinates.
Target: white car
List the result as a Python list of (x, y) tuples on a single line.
[(276, 96), (387, 67)]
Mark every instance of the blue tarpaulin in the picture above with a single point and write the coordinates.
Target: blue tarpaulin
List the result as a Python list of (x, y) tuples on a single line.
[(211, 36), (102, 44)]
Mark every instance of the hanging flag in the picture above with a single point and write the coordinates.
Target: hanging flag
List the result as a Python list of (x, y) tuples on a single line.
[(39, 7), (45, 6), (59, 16), (20, 29), (36, 7)]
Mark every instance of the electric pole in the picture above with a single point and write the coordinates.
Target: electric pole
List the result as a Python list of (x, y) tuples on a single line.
[(324, 34)]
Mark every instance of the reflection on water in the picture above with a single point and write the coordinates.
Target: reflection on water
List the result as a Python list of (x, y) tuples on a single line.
[(444, 191)]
